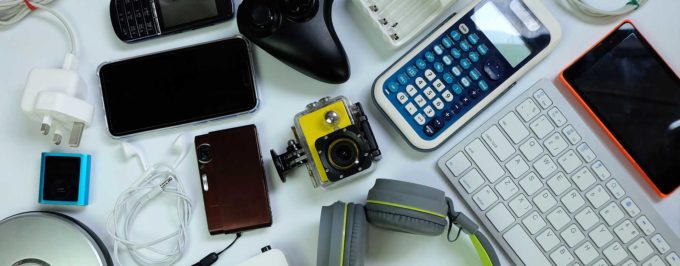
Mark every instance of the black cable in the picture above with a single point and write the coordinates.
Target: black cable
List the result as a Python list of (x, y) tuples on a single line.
[(213, 257)]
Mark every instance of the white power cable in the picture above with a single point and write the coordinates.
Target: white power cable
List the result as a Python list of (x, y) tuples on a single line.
[(12, 11), (158, 180), (592, 11)]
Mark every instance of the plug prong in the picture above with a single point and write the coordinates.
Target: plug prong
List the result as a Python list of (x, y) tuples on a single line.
[(56, 139), (45, 129), (76, 134)]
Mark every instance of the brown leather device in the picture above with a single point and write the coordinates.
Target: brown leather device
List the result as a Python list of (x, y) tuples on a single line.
[(233, 180)]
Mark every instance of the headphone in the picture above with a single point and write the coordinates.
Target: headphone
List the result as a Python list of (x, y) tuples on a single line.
[(397, 206)]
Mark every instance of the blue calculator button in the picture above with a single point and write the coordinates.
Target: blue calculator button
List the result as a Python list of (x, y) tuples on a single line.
[(456, 53), (466, 82), (465, 63), (403, 79), (448, 115), (482, 49), (456, 71), (457, 89), (473, 38), (447, 42), (439, 67), (448, 78), (464, 45), (455, 35), (429, 56), (483, 85), (393, 86), (474, 56), (457, 107), (447, 60), (412, 71), (420, 63), (474, 74), (438, 49)]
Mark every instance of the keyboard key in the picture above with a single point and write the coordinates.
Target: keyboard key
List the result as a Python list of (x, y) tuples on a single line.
[(393, 86), (482, 85), (615, 189), (531, 149), (420, 101), (455, 35), (456, 71), (498, 143), (558, 183), (544, 201), (547, 240), (456, 53), (597, 196), (420, 63), (447, 42), (514, 128), (541, 127), (586, 253), (645, 225), (402, 97), (485, 198), (429, 112), (530, 184), (587, 218), (484, 160), (473, 38), (474, 57), (403, 79), (500, 217), (463, 28), (465, 81), (673, 259), (517, 166), (571, 134), (557, 117), (654, 261), (429, 93), (475, 75), (420, 82), (438, 104), (447, 61), (471, 181), (555, 144), (458, 164), (569, 161), (573, 200), (524, 246), (464, 45), (561, 257), (630, 207), (615, 253), (438, 49), (412, 71), (439, 85), (420, 119), (542, 99), (482, 49), (600, 170), (534, 222), (448, 78), (528, 110), (601, 235), (545, 166), (660, 243), (506, 188), (430, 75), (448, 96), (584, 178), (641, 249), (411, 109), (520, 205), (439, 67), (612, 214), (585, 152), (457, 89), (465, 63), (558, 218)]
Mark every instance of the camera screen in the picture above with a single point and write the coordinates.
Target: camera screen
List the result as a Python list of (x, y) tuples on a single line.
[(177, 12), (62, 177)]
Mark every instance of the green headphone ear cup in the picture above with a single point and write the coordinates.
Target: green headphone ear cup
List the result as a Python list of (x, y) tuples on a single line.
[(404, 220), (338, 220)]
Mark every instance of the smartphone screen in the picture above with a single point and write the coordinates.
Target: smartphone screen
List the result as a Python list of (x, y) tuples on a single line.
[(636, 95), (176, 87)]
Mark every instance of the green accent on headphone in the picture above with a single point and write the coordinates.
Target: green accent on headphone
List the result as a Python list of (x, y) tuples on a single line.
[(344, 229), (486, 260), (406, 207)]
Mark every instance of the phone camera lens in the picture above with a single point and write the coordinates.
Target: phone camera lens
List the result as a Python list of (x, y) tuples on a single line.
[(204, 153), (343, 153)]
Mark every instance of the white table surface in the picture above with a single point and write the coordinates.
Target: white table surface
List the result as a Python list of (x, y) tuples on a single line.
[(38, 41)]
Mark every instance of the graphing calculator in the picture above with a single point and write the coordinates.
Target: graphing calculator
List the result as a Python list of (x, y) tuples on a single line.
[(463, 66)]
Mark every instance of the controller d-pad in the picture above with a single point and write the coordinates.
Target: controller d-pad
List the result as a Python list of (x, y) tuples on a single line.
[(301, 10)]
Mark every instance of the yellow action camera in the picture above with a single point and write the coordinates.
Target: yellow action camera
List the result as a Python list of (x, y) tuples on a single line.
[(333, 139)]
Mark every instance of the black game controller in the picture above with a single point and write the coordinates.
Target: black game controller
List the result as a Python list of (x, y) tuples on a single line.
[(298, 32)]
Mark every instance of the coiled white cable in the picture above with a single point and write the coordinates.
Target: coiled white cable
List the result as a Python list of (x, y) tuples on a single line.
[(12, 11), (157, 180), (592, 11)]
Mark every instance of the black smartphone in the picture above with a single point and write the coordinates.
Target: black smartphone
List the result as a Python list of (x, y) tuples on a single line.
[(135, 20), (196, 83)]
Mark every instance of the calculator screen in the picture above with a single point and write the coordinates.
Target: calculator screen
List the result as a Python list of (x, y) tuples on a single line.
[(177, 12), (501, 33)]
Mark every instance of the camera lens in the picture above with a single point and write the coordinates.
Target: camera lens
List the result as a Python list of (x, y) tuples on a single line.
[(343, 153), (204, 153)]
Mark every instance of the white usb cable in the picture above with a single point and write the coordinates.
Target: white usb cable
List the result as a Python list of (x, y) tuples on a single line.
[(585, 8), (12, 11)]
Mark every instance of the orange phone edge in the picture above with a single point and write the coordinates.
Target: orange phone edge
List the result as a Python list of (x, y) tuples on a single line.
[(611, 136)]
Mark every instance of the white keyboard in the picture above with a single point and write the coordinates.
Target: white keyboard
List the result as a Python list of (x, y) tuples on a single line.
[(547, 189)]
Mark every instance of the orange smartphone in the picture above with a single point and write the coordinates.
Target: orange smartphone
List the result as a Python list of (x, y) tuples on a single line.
[(634, 96)]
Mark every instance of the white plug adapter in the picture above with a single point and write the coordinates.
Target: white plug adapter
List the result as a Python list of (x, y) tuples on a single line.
[(56, 97)]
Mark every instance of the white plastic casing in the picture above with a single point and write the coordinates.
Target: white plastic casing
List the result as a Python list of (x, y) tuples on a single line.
[(57, 92), (272, 257)]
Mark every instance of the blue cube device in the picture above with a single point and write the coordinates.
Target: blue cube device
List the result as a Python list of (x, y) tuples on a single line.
[(64, 178)]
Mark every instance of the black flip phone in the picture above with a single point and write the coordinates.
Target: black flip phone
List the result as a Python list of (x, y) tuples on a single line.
[(135, 20)]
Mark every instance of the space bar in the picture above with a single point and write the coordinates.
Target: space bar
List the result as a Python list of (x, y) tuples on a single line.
[(524, 247)]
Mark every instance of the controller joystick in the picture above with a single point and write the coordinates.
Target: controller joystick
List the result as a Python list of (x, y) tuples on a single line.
[(300, 33)]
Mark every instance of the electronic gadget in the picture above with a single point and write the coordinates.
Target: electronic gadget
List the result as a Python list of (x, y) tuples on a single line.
[(300, 33), (233, 180), (549, 189), (635, 97), (49, 238), (135, 20), (269, 257), (397, 206), (399, 21), (333, 139), (64, 178), (590, 10), (196, 83), (462, 66)]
